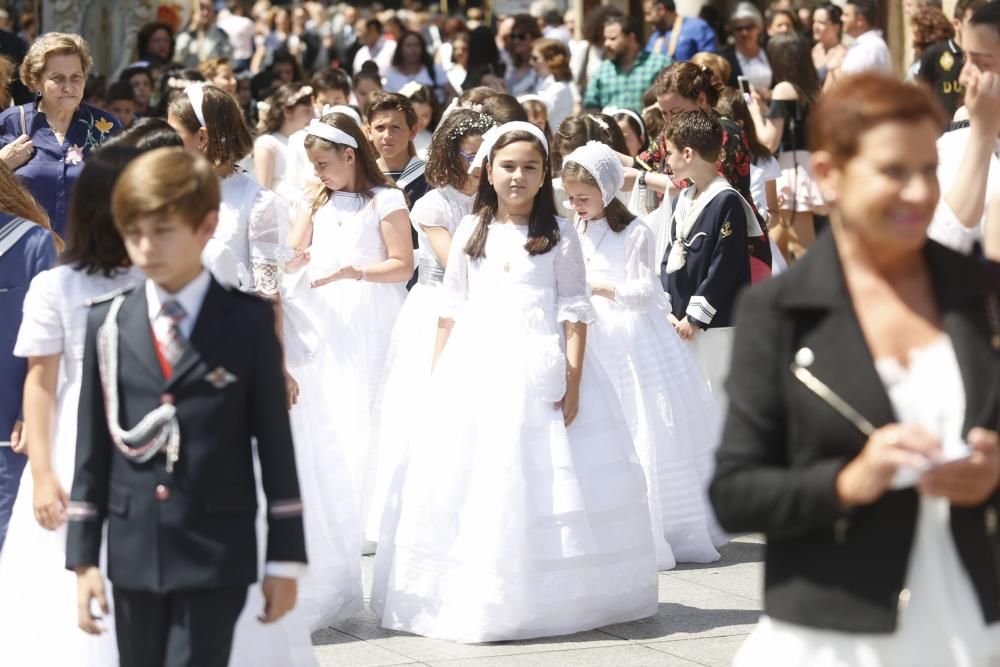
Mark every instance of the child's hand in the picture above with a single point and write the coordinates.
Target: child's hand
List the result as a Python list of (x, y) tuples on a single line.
[(49, 501), (685, 330), (570, 404), (90, 586), (606, 290), (343, 273), (291, 389), (300, 259), (279, 597)]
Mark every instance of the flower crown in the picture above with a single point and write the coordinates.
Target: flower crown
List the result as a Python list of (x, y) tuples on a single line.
[(478, 123), (303, 92)]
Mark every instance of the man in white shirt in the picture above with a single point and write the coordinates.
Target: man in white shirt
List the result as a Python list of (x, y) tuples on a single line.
[(235, 22), (969, 158), (869, 52), (376, 47)]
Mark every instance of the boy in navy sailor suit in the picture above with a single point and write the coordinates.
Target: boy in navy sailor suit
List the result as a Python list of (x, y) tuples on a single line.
[(179, 374)]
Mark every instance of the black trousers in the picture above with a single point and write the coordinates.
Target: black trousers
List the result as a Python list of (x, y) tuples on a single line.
[(181, 629)]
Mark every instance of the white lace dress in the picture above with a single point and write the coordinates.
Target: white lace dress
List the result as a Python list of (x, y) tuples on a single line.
[(37, 593), (673, 418), (411, 350), (353, 320), (942, 623), (503, 524), (252, 225)]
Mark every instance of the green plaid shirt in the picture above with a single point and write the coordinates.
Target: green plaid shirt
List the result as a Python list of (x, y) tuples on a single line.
[(613, 87)]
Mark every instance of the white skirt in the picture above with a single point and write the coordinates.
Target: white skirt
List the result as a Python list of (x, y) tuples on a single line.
[(502, 524), (395, 414), (674, 421)]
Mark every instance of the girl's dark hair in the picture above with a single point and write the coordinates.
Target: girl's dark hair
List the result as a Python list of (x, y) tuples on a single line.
[(425, 95), (287, 96), (173, 80), (331, 78), (129, 72), (543, 229), (476, 95), (149, 133), (791, 60), (577, 129), (732, 105), (229, 139), (833, 11), (425, 57), (368, 71), (93, 243), (444, 165), (689, 80), (146, 33), (484, 57), (369, 176), (774, 13), (640, 131), (619, 217)]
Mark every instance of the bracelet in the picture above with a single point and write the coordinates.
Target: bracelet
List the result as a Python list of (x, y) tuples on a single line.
[(642, 179), (362, 272)]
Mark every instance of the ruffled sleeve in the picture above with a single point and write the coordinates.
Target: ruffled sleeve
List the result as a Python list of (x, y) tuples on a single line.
[(641, 288), (42, 332), (572, 302), (388, 200), (947, 229), (265, 233), (455, 289)]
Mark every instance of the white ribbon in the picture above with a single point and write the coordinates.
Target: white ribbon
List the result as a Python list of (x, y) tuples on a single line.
[(344, 109), (531, 97), (318, 128), (603, 164), (493, 135), (196, 93), (611, 111)]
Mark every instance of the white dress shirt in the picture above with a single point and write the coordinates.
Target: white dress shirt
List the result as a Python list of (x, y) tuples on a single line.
[(191, 297), (945, 227), (869, 53), (381, 53)]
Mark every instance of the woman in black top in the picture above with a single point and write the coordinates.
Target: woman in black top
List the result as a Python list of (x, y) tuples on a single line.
[(861, 437), (781, 127)]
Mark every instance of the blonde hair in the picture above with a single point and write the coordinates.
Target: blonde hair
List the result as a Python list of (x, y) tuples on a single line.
[(556, 55), (53, 44), (713, 61), (6, 74), (165, 182)]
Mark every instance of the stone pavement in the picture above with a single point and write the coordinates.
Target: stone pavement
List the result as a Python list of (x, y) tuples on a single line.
[(705, 612)]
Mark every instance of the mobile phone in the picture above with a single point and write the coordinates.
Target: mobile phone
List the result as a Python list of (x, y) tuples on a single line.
[(744, 87)]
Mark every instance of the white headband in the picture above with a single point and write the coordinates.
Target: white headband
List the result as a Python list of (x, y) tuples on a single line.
[(344, 109), (493, 135), (410, 89), (318, 128), (611, 111), (531, 97), (196, 93), (603, 164)]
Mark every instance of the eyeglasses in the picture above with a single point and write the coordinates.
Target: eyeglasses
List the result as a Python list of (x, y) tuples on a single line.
[(465, 156), (744, 28), (520, 36)]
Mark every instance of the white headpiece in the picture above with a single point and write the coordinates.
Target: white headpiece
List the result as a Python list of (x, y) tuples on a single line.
[(611, 111), (410, 89), (531, 97), (344, 109), (493, 135), (318, 128), (603, 164), (196, 93)]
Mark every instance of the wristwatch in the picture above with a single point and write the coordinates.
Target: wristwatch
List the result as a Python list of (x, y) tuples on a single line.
[(642, 178)]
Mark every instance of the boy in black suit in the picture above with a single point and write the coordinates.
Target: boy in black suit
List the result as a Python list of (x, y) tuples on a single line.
[(179, 374)]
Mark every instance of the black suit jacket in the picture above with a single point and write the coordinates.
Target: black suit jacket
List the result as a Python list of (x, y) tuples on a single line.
[(783, 447), (203, 535)]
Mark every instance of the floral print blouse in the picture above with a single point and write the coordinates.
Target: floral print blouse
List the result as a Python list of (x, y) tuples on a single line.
[(52, 171)]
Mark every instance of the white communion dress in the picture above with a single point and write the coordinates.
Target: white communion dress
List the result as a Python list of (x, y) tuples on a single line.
[(673, 418), (942, 622), (38, 616), (411, 350), (502, 523)]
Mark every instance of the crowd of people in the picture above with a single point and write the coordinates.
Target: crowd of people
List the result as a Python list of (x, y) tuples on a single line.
[(502, 308)]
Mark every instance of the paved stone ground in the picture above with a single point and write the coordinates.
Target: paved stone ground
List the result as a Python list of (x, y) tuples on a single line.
[(705, 612)]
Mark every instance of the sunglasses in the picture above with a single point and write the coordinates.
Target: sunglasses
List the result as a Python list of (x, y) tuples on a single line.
[(744, 28), (520, 36)]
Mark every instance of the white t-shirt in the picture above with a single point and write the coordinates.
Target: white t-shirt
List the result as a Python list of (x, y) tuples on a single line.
[(395, 80), (869, 53), (762, 171)]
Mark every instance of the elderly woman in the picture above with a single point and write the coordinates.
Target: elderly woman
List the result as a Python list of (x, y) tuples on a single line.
[(861, 435), (45, 143)]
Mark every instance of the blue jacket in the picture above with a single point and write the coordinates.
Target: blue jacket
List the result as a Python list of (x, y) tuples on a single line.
[(33, 253), (52, 171), (696, 36)]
